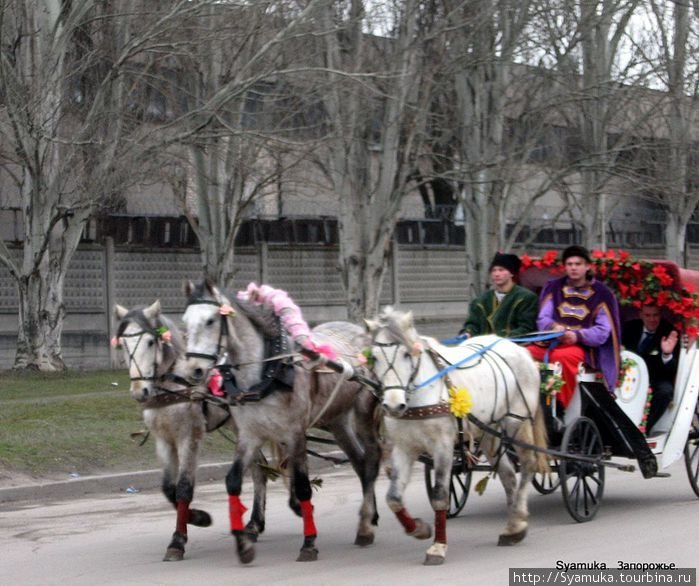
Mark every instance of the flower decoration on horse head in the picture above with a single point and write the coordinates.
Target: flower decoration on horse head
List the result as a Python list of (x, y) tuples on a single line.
[(164, 334)]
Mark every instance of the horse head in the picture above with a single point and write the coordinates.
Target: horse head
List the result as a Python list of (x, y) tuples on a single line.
[(151, 345), (396, 352), (208, 321)]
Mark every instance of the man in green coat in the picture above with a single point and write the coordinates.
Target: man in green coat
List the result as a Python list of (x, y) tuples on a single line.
[(507, 309)]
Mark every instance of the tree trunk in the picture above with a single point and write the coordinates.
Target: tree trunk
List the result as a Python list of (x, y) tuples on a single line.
[(41, 314)]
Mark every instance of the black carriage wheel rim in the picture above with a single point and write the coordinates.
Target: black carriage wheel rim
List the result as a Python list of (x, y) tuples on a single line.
[(582, 483), (691, 460), (459, 485), (547, 482)]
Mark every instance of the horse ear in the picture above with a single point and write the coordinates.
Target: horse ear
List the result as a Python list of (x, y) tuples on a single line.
[(188, 288), (209, 283), (371, 325), (120, 311), (152, 311), (407, 321)]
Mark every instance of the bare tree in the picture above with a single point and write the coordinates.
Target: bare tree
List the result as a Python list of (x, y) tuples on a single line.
[(76, 79), (242, 79), (377, 89), (675, 182), (481, 41), (583, 41)]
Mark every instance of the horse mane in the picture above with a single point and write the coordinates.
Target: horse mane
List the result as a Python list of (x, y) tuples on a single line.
[(261, 316)]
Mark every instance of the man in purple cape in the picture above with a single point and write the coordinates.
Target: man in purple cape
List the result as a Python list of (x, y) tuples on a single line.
[(587, 313)]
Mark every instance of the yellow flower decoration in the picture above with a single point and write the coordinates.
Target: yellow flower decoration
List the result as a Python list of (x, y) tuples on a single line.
[(460, 401)]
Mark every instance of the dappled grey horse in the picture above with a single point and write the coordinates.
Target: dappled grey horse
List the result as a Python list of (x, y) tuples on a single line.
[(285, 401)]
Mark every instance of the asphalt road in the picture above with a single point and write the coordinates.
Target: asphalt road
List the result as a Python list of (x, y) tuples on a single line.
[(120, 538)]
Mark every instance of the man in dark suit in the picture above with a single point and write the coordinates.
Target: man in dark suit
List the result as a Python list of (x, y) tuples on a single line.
[(654, 339)]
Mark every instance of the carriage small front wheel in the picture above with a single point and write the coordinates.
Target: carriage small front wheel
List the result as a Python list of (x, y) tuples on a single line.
[(691, 452), (547, 482), (459, 483), (581, 472)]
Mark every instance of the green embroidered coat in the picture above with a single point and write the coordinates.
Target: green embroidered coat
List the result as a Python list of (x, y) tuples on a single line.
[(514, 316)]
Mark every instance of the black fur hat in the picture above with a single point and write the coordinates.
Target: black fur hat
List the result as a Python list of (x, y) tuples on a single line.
[(576, 250), (510, 262)]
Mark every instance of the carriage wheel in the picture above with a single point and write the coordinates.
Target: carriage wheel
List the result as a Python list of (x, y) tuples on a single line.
[(691, 453), (582, 483), (549, 482), (459, 484)]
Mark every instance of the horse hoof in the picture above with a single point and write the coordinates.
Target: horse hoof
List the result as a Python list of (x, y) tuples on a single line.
[(244, 547), (246, 556), (252, 534), (512, 538), (422, 530), (433, 560), (173, 554), (364, 540), (307, 554), (199, 518)]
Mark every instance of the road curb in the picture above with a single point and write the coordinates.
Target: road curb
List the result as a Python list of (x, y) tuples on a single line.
[(102, 484)]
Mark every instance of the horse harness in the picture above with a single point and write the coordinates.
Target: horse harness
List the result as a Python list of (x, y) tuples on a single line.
[(146, 328), (425, 411), (165, 396), (278, 373)]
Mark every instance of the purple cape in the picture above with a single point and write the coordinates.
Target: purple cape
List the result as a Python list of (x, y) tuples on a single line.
[(578, 309)]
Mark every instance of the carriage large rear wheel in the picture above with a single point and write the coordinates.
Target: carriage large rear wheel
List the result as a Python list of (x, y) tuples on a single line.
[(582, 479), (691, 452), (459, 483)]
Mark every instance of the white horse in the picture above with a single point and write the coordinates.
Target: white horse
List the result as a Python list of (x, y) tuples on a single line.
[(501, 383)]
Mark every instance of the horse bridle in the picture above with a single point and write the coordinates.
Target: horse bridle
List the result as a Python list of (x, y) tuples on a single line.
[(131, 353), (223, 332), (408, 387)]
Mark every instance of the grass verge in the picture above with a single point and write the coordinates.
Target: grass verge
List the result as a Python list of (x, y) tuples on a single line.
[(77, 422)]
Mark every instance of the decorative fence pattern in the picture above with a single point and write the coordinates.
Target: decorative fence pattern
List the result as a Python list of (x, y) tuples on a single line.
[(430, 280)]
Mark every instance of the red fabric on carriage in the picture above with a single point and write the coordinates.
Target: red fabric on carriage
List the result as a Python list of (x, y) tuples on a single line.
[(309, 526), (570, 358), (236, 510)]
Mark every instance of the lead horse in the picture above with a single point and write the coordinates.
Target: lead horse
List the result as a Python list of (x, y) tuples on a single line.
[(176, 415), (283, 409), (152, 345), (496, 385)]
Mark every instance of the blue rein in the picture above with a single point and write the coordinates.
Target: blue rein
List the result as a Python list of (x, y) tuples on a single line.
[(535, 337)]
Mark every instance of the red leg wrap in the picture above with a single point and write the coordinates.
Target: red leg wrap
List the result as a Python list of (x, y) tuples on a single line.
[(406, 520), (309, 527), (440, 526), (182, 517), (236, 510)]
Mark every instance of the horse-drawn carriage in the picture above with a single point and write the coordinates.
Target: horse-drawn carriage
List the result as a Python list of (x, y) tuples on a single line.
[(597, 429), (417, 380)]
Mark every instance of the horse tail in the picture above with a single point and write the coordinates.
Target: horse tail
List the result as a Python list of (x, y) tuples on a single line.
[(541, 440)]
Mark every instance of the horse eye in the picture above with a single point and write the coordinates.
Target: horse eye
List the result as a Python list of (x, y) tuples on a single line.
[(210, 321), (150, 343)]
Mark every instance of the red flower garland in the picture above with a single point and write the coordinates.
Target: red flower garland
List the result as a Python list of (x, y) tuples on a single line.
[(635, 283)]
